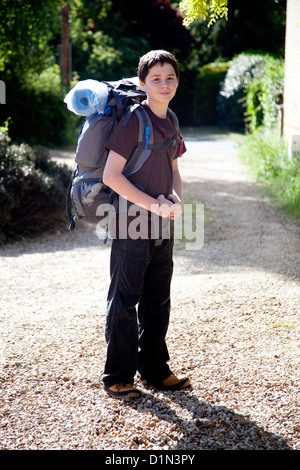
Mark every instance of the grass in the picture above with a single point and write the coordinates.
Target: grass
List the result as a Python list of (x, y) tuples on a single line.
[(266, 155)]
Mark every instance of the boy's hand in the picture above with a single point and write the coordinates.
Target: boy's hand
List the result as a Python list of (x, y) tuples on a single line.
[(169, 207), (176, 208), (164, 206)]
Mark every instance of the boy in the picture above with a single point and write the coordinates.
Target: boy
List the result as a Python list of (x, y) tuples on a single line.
[(141, 269)]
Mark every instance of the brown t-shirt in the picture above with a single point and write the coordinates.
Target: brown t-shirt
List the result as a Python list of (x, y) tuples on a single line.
[(156, 175)]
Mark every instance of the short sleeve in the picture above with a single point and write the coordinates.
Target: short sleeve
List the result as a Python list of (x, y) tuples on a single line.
[(181, 147), (124, 139)]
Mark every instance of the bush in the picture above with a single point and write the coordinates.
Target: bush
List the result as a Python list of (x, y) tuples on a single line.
[(32, 190), (231, 102), (267, 156), (264, 95), (206, 92)]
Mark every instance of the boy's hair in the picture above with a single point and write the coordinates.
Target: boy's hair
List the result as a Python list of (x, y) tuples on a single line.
[(150, 59)]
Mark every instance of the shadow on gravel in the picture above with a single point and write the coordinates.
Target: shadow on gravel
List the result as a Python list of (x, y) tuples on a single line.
[(208, 427), (84, 236)]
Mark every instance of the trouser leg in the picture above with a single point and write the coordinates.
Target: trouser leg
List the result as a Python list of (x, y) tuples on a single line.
[(154, 313), (128, 266)]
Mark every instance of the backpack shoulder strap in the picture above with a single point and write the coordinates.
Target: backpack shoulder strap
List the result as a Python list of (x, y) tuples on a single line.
[(145, 139), (180, 137), (175, 119)]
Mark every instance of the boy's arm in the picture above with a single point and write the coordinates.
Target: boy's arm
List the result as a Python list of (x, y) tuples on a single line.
[(177, 183), (114, 178), (177, 198)]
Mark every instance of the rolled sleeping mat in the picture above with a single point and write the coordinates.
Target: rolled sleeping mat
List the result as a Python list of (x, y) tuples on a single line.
[(87, 98)]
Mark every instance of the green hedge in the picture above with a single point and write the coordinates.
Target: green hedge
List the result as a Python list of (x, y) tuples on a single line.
[(264, 95), (206, 92), (32, 190)]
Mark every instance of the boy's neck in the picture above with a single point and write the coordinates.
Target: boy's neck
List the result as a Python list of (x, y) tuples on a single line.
[(159, 109)]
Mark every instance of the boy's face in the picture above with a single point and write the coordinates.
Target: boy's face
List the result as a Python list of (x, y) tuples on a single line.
[(161, 83)]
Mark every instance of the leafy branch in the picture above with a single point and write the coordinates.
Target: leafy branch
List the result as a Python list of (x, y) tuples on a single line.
[(196, 9)]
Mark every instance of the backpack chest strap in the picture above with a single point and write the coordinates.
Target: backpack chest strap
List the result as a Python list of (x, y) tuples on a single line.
[(168, 143)]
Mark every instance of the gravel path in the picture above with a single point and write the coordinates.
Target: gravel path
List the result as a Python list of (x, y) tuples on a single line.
[(234, 330)]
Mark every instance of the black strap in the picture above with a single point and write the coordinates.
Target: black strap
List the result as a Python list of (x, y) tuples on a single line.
[(69, 202), (163, 145), (139, 156), (129, 113)]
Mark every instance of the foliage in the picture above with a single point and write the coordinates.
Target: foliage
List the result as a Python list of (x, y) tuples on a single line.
[(32, 189), (36, 110), (206, 92), (95, 56), (109, 37), (107, 41), (155, 21), (196, 9), (29, 35), (267, 156), (264, 95), (251, 25), (251, 92), (231, 101), (26, 29)]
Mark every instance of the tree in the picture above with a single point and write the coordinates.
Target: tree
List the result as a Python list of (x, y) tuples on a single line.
[(109, 37), (66, 62), (157, 22), (196, 9), (26, 28), (254, 25), (250, 26)]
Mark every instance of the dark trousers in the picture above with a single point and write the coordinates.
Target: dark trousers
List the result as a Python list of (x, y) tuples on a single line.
[(138, 310)]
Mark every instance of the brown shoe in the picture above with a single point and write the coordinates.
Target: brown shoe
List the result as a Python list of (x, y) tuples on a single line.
[(174, 383), (123, 391)]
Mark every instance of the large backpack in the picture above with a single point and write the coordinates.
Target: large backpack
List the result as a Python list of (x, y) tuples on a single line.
[(86, 192)]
